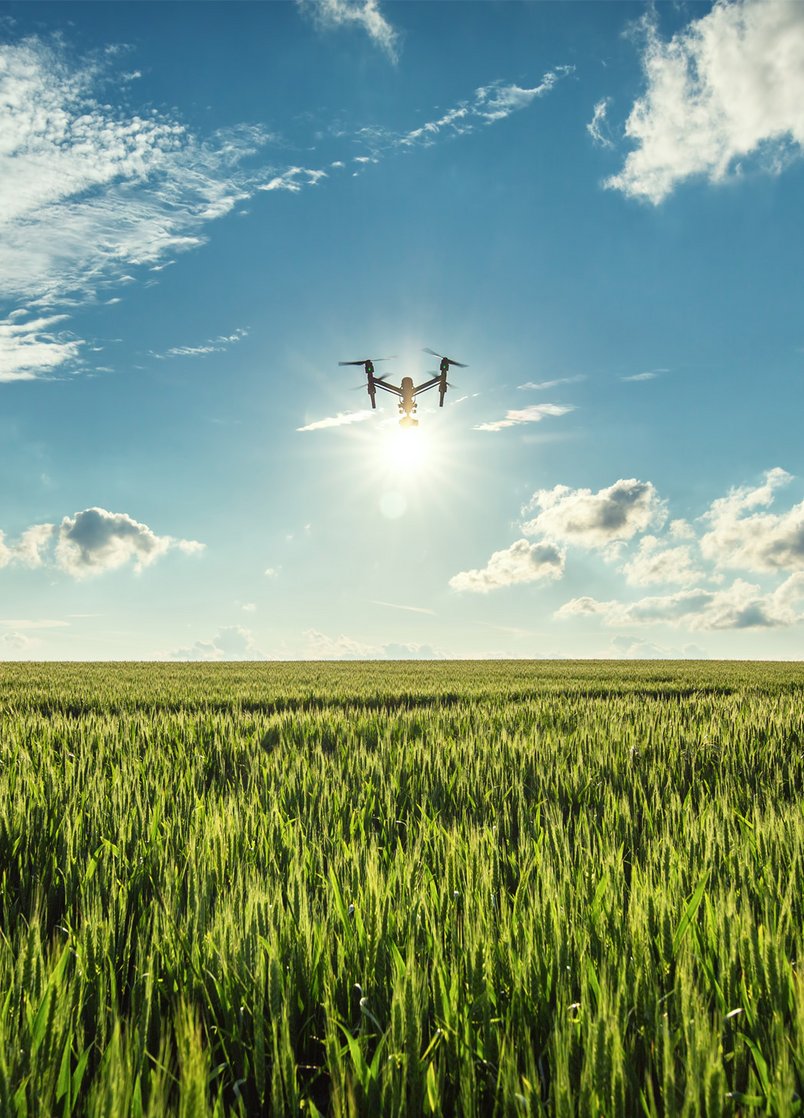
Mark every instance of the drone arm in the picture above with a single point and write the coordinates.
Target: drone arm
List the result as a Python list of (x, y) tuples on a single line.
[(427, 384), (388, 387)]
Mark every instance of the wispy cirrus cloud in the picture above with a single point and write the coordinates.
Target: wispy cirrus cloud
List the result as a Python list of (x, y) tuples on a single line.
[(408, 609), (214, 345), (340, 420), (365, 14), (488, 105), (31, 347), (535, 413), (294, 179), (537, 386), (598, 126), (88, 191), (649, 374), (727, 87)]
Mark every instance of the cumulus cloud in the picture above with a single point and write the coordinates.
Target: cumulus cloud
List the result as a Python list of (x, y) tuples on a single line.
[(15, 645), (740, 606), (361, 13), (729, 86), (515, 416), (595, 520), (320, 646), (30, 549), (630, 648), (339, 420), (95, 541), (655, 563), (521, 562), (743, 539), (232, 642), (90, 542)]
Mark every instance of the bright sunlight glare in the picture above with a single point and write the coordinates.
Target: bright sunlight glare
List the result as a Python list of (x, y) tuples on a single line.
[(407, 449)]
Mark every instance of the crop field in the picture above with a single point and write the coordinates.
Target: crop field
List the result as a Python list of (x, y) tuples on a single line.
[(499, 888)]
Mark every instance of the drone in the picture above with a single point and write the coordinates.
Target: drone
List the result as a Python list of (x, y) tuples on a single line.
[(407, 391)]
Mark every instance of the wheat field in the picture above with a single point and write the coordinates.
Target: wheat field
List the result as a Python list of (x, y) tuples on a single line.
[(475, 888)]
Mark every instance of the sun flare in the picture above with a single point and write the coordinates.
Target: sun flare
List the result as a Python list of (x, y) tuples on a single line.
[(407, 449)]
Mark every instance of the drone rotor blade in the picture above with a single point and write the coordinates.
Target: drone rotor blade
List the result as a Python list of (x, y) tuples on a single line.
[(351, 362), (443, 358)]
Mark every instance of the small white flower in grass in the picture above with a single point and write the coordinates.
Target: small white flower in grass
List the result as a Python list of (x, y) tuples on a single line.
[(734, 1012)]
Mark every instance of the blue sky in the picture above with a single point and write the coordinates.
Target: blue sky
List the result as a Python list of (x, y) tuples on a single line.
[(596, 207)]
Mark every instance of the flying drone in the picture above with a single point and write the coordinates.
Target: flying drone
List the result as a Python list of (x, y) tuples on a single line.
[(407, 391)]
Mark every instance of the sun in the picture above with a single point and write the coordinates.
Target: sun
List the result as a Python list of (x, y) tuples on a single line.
[(406, 449)]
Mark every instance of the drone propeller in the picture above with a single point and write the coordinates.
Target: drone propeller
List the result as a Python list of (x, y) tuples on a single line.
[(443, 358), (363, 386), (373, 360)]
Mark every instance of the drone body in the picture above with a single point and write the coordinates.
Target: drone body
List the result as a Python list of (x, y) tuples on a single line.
[(406, 391)]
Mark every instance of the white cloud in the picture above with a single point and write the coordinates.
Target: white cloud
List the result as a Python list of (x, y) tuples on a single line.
[(271, 572), (87, 191), (597, 126), (232, 642), (740, 538), (729, 86), (14, 644), (396, 605), (289, 180), (214, 345), (363, 13), (630, 648), (654, 563), (740, 606), (95, 540), (489, 104), (515, 416), (338, 420), (519, 563), (610, 516), (498, 100), (531, 385), (650, 374), (29, 623), (320, 646), (32, 348), (29, 550)]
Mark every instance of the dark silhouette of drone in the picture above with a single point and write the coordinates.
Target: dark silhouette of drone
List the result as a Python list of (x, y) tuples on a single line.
[(407, 391)]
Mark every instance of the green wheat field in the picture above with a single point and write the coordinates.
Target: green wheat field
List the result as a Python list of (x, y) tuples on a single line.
[(476, 888)]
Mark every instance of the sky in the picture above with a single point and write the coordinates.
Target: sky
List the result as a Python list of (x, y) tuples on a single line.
[(597, 208)]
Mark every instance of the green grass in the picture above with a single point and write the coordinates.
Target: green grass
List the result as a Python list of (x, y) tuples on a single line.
[(400, 889)]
